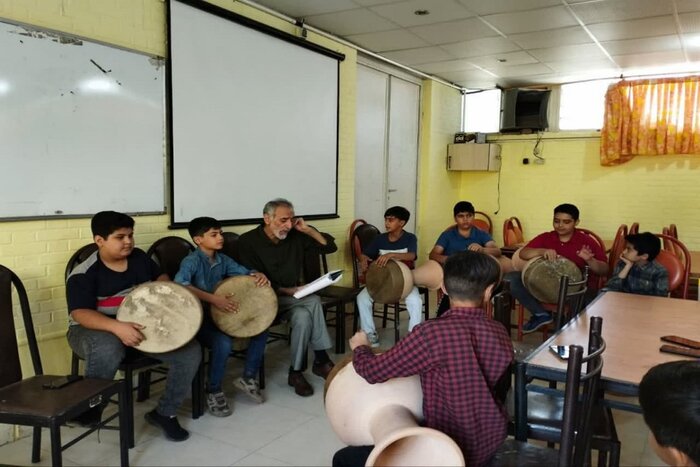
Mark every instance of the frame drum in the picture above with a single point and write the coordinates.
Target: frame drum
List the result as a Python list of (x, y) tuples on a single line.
[(257, 307), (171, 315), (389, 284), (541, 277)]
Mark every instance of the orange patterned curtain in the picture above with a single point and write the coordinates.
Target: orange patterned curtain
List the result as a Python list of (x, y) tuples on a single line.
[(651, 117)]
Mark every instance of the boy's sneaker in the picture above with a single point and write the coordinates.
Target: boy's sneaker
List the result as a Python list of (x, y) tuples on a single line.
[(217, 404), (170, 426), (536, 322), (249, 387), (373, 339)]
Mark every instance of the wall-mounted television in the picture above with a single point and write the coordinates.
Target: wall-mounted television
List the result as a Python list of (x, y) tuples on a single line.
[(524, 109)]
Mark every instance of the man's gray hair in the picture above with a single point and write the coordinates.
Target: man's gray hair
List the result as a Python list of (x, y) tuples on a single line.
[(271, 206)]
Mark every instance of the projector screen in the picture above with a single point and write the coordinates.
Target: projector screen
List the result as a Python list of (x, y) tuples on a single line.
[(253, 114)]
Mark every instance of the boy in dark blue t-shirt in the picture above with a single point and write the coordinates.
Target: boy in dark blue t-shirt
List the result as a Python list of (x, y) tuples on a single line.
[(396, 244)]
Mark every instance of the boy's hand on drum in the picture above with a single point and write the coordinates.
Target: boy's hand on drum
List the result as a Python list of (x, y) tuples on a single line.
[(360, 338), (225, 303), (382, 260), (550, 254), (261, 279), (129, 333)]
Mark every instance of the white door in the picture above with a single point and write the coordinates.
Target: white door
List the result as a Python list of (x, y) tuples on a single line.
[(387, 145)]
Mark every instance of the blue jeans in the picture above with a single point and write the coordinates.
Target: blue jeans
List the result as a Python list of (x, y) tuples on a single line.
[(520, 293), (103, 352), (220, 345)]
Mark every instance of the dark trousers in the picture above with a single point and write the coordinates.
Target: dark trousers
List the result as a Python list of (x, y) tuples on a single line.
[(352, 456)]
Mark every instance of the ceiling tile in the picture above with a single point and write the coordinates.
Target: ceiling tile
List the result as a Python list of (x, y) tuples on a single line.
[(631, 29), (500, 60), (440, 10), (687, 5), (578, 66), (617, 10), (649, 60), (568, 52), (375, 2), (487, 7), (690, 22), (301, 8), (480, 47), (384, 41), (469, 76), (520, 70), (421, 55), (533, 20), (642, 45), (453, 31), (446, 66), (351, 22), (542, 39)]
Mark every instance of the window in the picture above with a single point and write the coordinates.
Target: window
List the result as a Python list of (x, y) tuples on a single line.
[(582, 105), (482, 111)]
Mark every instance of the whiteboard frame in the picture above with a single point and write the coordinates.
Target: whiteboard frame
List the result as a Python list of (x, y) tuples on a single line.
[(62, 34)]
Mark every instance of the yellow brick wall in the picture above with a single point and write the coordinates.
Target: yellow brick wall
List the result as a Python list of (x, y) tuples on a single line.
[(652, 190), (38, 250), (437, 188)]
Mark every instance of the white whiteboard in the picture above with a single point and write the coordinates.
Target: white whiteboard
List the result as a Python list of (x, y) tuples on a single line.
[(254, 117), (82, 127)]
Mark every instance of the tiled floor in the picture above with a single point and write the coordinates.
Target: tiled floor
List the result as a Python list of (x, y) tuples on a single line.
[(285, 430)]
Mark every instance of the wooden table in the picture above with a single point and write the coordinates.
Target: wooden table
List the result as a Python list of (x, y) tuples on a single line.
[(632, 326)]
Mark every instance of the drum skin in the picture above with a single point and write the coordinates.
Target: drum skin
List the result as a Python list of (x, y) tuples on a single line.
[(541, 277), (170, 315), (257, 307), (389, 284)]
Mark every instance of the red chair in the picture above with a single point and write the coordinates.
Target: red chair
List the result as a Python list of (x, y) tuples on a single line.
[(676, 260), (513, 233), (634, 228), (483, 222), (617, 247)]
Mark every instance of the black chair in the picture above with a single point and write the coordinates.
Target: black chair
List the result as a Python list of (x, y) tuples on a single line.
[(230, 248), (582, 397), (360, 237), (169, 252), (27, 402), (333, 298)]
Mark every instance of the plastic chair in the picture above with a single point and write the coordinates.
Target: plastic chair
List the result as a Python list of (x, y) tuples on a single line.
[(230, 248), (634, 228), (513, 233), (360, 237), (26, 401), (676, 260), (582, 397), (617, 248), (483, 221)]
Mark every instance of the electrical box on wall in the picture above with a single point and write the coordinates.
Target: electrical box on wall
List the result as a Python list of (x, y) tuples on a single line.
[(473, 156)]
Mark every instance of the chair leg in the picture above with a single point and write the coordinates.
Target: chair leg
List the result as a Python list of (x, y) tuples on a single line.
[(123, 426), (129, 402), (521, 316), (55, 433), (75, 364), (426, 304), (397, 322), (36, 444), (197, 392), (386, 310), (261, 373), (355, 317), (340, 327), (143, 392)]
